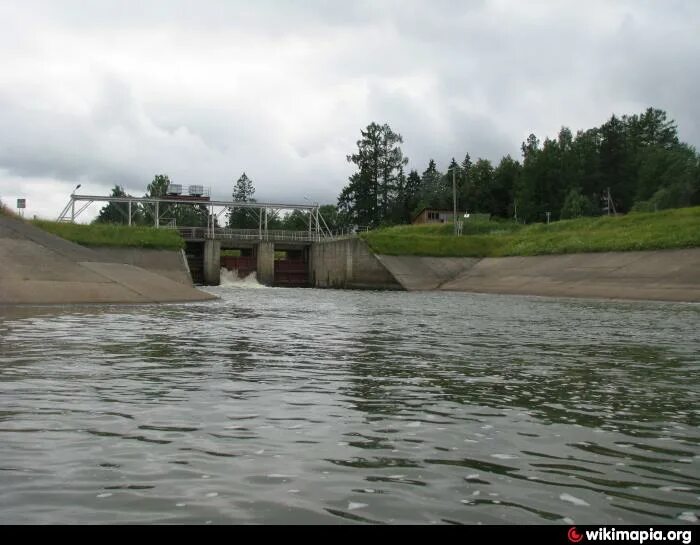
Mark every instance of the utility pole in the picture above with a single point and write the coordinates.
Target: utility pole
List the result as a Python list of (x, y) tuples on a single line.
[(548, 214), (609, 204), (454, 199)]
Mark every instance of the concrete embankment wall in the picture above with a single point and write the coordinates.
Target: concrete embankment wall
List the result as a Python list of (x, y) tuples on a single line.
[(664, 275), (416, 273), (40, 268), (169, 263), (348, 264)]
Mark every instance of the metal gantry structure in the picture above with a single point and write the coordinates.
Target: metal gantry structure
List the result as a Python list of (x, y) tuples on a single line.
[(317, 227)]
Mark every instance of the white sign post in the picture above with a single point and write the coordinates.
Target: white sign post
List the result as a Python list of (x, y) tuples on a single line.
[(21, 205)]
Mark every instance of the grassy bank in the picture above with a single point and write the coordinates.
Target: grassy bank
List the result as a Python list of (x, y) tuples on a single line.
[(5, 211), (114, 235), (677, 228)]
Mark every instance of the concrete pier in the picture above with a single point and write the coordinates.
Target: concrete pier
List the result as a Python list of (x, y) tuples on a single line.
[(266, 263), (348, 264), (212, 262)]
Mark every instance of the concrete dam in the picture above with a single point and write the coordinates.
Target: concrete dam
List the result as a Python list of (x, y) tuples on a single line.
[(286, 259)]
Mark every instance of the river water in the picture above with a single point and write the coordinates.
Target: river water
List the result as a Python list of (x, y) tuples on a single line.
[(322, 406)]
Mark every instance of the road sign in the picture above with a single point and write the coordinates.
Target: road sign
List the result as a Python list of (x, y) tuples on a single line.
[(21, 203)]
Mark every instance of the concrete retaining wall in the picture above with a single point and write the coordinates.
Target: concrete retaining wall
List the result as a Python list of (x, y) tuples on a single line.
[(39, 268), (348, 264), (416, 273), (664, 275), (169, 263)]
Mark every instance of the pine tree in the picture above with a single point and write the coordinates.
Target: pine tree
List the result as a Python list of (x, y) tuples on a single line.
[(431, 190), (482, 177), (505, 178), (464, 184), (367, 199), (243, 217), (527, 187), (615, 164), (446, 189), (412, 196)]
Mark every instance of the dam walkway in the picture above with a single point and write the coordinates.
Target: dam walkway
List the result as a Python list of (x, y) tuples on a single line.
[(256, 235)]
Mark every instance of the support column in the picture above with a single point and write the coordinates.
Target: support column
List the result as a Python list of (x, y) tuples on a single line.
[(267, 236), (266, 263), (212, 262), (318, 225), (213, 222)]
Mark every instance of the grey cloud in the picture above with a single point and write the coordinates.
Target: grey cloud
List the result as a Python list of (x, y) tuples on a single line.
[(452, 77), (266, 16)]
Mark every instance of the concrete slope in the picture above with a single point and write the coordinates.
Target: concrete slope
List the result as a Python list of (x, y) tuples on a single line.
[(39, 268), (169, 263), (416, 273), (16, 229), (664, 275)]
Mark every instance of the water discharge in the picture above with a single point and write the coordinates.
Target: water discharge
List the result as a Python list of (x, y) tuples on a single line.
[(230, 279), (303, 405)]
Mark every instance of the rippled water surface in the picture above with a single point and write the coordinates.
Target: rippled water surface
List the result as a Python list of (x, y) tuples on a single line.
[(310, 406)]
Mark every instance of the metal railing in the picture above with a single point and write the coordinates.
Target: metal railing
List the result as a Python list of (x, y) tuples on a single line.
[(270, 234), (273, 235), (195, 233)]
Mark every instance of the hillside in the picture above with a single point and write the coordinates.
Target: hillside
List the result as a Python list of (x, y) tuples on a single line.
[(668, 229)]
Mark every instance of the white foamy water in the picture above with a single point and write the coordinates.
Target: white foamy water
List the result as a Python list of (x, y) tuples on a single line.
[(229, 279), (573, 499)]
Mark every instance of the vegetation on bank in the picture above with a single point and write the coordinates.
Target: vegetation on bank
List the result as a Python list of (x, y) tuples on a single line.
[(114, 235), (629, 163), (5, 211), (677, 228)]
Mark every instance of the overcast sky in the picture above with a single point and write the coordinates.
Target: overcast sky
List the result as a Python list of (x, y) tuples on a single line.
[(105, 93)]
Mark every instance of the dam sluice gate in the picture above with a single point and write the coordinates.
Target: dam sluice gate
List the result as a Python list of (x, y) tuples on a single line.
[(274, 264), (340, 264)]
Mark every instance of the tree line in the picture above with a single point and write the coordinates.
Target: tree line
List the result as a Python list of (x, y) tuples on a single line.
[(637, 159)]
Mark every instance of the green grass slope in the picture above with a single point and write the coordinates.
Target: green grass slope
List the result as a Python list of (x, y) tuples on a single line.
[(114, 235), (5, 211), (677, 228)]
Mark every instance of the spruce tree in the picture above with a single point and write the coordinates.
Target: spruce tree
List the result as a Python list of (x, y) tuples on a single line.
[(243, 217)]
